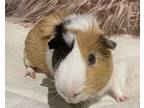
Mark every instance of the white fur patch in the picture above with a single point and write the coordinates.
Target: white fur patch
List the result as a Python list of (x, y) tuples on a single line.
[(81, 22), (69, 37), (70, 74)]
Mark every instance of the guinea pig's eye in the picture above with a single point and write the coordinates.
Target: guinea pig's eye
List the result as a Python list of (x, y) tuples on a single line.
[(91, 59)]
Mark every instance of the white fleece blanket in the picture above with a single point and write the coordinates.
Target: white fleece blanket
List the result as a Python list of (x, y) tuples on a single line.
[(24, 92)]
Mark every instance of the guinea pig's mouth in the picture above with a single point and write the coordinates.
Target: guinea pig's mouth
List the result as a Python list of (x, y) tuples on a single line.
[(68, 99), (73, 100), (77, 98)]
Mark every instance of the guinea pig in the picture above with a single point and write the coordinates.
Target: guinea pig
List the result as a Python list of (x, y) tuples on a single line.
[(73, 50)]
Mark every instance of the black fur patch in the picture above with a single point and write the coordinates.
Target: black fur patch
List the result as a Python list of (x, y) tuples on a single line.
[(61, 49), (108, 43)]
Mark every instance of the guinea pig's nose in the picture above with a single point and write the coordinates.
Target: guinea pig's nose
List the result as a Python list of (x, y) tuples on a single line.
[(71, 93)]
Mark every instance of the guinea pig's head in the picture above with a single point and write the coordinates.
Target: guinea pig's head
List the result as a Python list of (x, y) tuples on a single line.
[(82, 59)]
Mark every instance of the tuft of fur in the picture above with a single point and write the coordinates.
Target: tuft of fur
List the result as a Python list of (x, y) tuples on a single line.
[(115, 16)]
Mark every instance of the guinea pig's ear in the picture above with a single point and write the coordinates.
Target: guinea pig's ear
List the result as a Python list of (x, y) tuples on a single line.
[(108, 43)]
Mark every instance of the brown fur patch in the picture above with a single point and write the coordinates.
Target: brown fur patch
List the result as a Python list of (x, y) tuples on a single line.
[(99, 74), (36, 43)]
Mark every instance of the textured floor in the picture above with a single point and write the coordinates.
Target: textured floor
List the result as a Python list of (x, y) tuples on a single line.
[(14, 100), (24, 92)]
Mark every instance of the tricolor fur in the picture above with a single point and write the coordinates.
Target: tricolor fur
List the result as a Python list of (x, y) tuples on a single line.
[(76, 37), (73, 50)]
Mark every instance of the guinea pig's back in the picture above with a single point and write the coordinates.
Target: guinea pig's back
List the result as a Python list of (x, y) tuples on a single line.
[(35, 50), (36, 44)]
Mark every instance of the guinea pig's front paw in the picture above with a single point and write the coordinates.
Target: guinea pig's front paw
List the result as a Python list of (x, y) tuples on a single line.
[(30, 72), (119, 95), (121, 98)]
